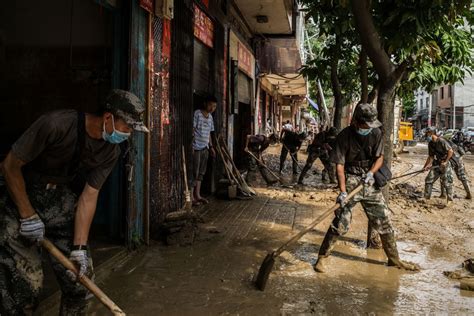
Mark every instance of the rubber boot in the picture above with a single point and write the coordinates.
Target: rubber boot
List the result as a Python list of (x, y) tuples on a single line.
[(428, 190), (468, 190), (303, 173), (325, 250), (390, 248), (449, 193), (443, 192), (324, 176)]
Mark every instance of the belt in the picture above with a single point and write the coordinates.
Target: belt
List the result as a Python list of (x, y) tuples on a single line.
[(362, 163)]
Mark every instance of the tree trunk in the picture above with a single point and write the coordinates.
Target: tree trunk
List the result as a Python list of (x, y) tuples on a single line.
[(364, 79), (386, 109)]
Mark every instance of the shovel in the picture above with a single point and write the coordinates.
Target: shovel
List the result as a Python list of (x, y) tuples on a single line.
[(84, 280), (188, 205), (269, 261)]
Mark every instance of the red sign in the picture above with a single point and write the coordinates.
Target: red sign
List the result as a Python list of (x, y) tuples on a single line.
[(245, 59), (147, 5), (165, 73), (203, 27)]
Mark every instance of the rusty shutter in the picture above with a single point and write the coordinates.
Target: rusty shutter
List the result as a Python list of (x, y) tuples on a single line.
[(201, 71), (244, 88)]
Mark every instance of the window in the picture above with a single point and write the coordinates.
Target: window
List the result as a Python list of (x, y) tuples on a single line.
[(449, 91), (427, 102), (421, 103), (442, 93)]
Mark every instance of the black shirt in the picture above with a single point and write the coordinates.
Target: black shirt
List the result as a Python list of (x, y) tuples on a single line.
[(259, 143), (48, 146), (292, 140), (349, 145), (439, 149)]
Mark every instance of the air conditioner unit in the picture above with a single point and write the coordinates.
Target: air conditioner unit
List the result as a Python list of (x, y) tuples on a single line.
[(164, 9)]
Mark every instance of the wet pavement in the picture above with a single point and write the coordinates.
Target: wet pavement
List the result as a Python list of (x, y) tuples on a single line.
[(215, 275)]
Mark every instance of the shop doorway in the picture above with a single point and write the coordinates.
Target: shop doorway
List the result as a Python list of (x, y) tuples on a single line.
[(70, 62)]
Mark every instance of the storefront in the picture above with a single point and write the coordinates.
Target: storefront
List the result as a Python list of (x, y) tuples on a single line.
[(242, 96)]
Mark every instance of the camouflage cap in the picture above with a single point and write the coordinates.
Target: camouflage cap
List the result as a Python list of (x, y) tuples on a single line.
[(127, 106), (367, 113)]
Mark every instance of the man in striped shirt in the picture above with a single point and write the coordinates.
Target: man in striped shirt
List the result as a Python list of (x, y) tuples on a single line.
[(203, 125)]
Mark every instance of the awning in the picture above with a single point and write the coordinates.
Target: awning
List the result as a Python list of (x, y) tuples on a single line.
[(313, 104), (286, 85)]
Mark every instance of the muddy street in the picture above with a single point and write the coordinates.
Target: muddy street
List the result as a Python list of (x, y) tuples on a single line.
[(214, 276)]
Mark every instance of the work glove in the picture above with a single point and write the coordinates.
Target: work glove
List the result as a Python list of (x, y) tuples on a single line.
[(369, 178), (32, 228), (81, 261), (341, 198)]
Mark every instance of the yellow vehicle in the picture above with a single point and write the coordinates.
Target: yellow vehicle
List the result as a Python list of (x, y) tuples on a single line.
[(405, 137), (406, 131)]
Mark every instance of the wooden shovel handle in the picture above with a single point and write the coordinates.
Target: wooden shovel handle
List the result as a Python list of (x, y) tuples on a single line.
[(316, 222), (84, 280), (185, 170)]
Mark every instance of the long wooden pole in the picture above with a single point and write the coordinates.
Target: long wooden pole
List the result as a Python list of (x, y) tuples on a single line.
[(84, 280)]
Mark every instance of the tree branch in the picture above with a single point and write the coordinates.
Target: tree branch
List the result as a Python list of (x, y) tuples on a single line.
[(373, 94), (370, 39)]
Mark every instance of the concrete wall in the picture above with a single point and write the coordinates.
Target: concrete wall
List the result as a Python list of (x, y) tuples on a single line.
[(464, 98)]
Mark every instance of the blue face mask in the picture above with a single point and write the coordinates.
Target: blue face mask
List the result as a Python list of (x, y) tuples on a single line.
[(429, 138), (364, 131), (116, 137)]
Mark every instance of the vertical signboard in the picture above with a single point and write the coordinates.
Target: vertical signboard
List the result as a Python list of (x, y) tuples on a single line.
[(203, 27)]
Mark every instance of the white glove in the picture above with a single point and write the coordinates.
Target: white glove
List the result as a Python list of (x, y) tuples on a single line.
[(81, 261), (341, 198), (369, 178), (32, 228)]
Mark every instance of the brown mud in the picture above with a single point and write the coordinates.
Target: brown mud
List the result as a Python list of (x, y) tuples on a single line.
[(214, 276)]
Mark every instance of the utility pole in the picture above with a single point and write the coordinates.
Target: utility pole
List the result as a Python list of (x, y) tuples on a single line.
[(451, 87), (429, 109)]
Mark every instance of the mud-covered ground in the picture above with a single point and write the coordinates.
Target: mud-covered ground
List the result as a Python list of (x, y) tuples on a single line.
[(214, 276)]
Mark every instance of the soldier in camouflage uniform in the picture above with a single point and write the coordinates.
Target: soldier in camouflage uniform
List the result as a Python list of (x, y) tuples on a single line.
[(358, 155), (52, 177), (457, 164), (440, 153), (321, 148)]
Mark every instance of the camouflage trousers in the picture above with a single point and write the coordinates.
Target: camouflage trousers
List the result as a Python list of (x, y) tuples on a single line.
[(458, 167), (21, 274), (374, 206), (446, 177), (329, 169)]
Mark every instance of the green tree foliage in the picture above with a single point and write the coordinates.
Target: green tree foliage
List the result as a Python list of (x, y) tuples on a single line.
[(335, 61)]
